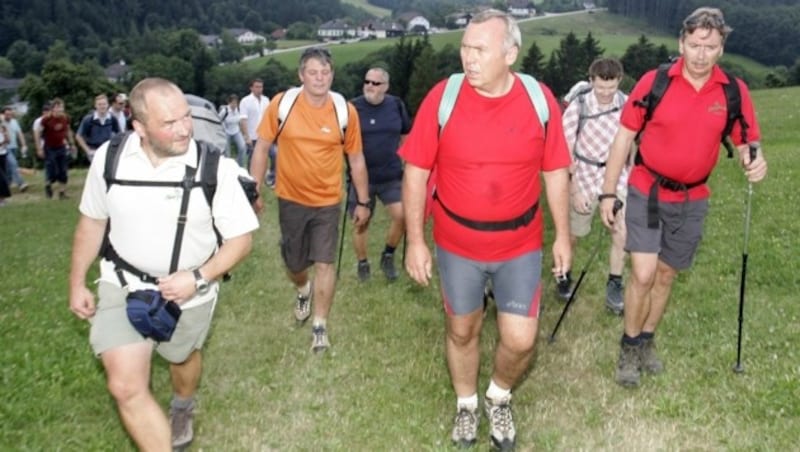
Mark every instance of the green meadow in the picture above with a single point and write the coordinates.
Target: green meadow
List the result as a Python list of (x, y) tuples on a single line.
[(384, 385)]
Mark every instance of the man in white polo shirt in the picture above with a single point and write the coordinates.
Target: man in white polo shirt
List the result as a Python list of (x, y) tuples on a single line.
[(252, 108), (144, 234)]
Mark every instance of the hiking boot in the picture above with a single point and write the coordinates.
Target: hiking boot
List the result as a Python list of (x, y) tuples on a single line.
[(387, 265), (629, 365), (614, 296), (501, 423), (23, 188), (650, 361), (180, 421), (302, 306), (465, 427), (363, 271), (48, 191), (564, 286), (319, 339)]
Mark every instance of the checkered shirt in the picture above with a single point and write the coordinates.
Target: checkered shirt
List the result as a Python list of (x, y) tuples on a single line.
[(594, 141)]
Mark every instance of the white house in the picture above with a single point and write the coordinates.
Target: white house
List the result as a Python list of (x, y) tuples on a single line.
[(246, 37), (521, 8), (415, 22), (336, 29)]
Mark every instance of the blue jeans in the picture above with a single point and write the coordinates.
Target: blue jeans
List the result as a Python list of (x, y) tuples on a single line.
[(56, 163), (12, 169), (241, 148)]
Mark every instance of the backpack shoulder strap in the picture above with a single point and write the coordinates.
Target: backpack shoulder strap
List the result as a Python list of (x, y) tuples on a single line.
[(733, 97), (651, 100), (448, 101), (115, 146), (208, 157), (285, 105), (537, 97), (342, 112)]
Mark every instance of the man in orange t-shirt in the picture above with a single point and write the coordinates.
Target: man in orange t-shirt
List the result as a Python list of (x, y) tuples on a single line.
[(309, 184)]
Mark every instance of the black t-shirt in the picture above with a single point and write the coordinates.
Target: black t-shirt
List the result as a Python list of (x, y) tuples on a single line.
[(381, 128)]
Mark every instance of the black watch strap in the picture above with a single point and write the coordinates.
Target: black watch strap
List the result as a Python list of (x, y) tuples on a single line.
[(603, 196), (362, 204)]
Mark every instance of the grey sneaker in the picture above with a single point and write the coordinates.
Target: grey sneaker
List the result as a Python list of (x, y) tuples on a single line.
[(387, 265), (501, 423), (319, 339), (465, 427), (564, 286), (650, 361), (629, 365), (614, 296), (180, 421), (302, 306), (363, 271)]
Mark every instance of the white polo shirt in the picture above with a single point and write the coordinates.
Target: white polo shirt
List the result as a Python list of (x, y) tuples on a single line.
[(144, 219)]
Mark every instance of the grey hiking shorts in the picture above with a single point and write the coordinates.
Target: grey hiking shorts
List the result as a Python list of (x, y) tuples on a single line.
[(680, 229)]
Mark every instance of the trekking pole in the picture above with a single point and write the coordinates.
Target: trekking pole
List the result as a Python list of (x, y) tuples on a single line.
[(344, 227), (739, 368), (552, 338)]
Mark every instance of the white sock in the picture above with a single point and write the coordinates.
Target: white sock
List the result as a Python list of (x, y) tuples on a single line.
[(319, 321), (495, 392), (470, 402), (305, 289)]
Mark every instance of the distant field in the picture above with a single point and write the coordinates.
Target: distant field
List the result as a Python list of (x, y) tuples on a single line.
[(374, 10), (614, 33)]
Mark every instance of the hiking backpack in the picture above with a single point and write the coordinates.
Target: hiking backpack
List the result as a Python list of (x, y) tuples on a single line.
[(453, 86), (289, 98), (446, 106), (733, 98), (208, 157), (583, 116)]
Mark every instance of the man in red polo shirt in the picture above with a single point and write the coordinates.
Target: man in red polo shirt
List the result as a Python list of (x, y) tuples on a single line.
[(681, 145), (487, 224)]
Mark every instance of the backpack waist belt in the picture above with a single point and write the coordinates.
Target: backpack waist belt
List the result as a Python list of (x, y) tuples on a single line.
[(121, 264), (585, 159), (669, 184), (507, 225)]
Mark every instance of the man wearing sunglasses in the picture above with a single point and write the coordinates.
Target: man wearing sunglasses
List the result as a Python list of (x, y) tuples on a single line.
[(384, 125)]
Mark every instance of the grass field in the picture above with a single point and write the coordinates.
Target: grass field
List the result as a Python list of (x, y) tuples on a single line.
[(614, 33), (372, 9), (384, 384)]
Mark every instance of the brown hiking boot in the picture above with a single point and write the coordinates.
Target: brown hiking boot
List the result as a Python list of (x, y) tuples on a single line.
[(650, 361), (629, 365)]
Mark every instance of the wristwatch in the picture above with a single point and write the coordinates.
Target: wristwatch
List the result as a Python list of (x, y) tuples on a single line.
[(362, 204), (201, 284)]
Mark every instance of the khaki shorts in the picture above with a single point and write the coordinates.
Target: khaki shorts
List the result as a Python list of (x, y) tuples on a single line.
[(580, 225), (111, 327)]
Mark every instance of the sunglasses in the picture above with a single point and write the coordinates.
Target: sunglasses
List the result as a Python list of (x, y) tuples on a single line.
[(373, 83)]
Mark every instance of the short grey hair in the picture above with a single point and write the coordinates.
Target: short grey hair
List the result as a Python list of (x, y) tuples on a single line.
[(384, 72), (706, 18), (513, 37), (321, 54)]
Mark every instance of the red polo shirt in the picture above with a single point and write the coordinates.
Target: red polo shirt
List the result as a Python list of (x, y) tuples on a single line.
[(682, 140)]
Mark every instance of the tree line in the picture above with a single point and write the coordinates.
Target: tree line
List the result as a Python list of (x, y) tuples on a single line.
[(764, 30)]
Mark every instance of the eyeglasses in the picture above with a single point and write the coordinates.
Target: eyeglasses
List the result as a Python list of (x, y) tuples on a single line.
[(373, 83)]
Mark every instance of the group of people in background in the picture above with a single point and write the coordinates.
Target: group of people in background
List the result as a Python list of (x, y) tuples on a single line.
[(479, 170)]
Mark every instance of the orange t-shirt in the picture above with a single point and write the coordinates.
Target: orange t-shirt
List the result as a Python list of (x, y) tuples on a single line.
[(311, 151)]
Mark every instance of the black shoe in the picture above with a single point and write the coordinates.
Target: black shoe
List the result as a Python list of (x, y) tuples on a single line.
[(387, 265), (564, 286), (363, 271), (48, 191)]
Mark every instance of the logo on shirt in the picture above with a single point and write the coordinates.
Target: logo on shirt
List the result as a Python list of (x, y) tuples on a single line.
[(717, 108), (325, 129), (372, 121)]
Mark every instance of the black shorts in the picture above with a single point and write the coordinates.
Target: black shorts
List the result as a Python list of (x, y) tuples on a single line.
[(388, 192), (308, 234)]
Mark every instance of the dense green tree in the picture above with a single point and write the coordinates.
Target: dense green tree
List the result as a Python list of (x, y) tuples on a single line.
[(25, 58), (643, 56), (591, 50), (230, 51), (6, 67), (169, 67), (533, 62), (422, 78)]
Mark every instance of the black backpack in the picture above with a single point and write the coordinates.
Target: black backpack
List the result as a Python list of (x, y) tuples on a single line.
[(208, 163), (733, 97)]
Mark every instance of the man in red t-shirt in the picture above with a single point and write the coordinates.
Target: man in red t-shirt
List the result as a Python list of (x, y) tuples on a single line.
[(678, 150), (487, 225), (58, 141)]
